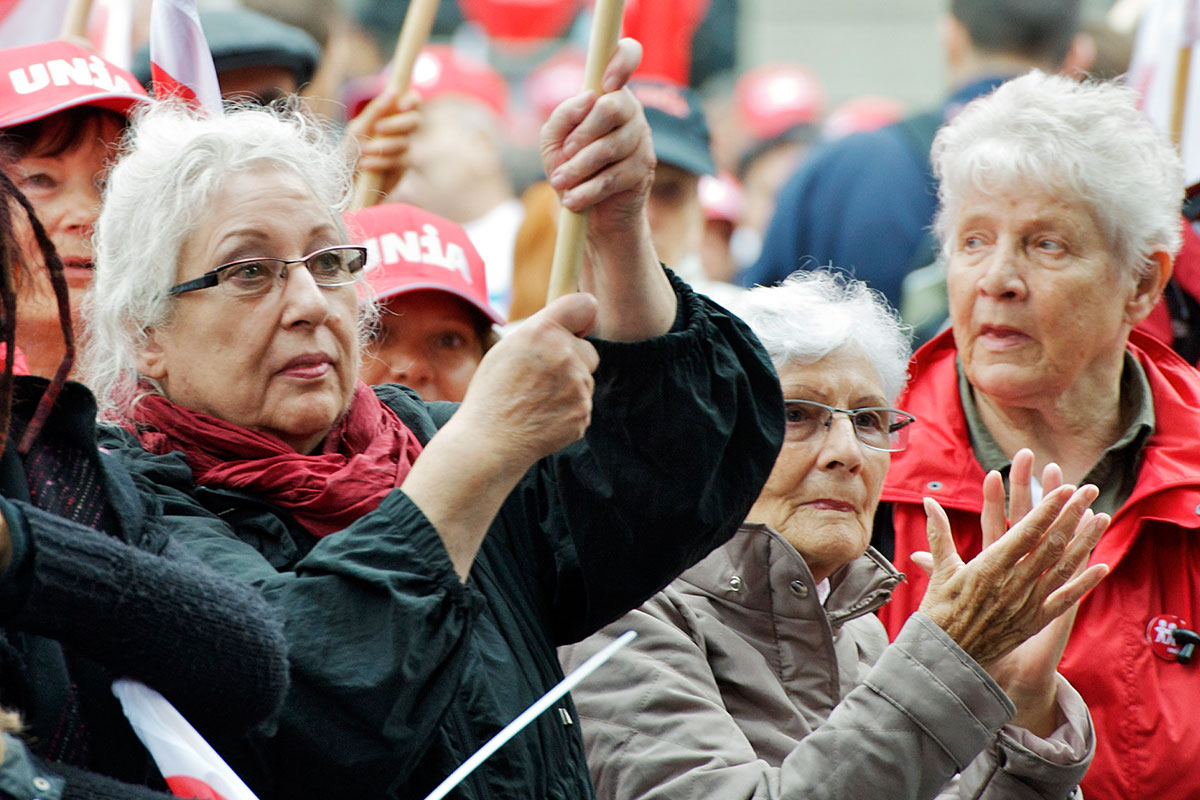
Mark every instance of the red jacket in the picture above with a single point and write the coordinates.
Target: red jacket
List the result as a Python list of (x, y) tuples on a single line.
[(1146, 709)]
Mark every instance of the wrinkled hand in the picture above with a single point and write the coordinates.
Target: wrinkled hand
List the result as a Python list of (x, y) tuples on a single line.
[(1021, 581), (384, 130), (1027, 674), (597, 151), (532, 393)]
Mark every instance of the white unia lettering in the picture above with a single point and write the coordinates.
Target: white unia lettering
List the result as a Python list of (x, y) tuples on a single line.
[(431, 246), (26, 83), (456, 260), (63, 72), (395, 247)]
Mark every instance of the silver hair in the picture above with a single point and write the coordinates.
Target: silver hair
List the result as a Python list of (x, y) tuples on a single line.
[(173, 161), (814, 313), (1086, 140)]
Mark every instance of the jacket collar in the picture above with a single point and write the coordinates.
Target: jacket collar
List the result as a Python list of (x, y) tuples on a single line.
[(759, 570), (939, 462)]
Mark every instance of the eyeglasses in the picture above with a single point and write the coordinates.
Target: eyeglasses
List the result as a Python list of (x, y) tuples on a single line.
[(877, 428), (251, 277)]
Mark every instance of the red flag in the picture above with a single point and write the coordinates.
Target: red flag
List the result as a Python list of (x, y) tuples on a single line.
[(180, 61)]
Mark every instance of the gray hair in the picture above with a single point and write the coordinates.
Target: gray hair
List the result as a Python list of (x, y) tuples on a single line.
[(814, 313), (173, 161), (1088, 139)]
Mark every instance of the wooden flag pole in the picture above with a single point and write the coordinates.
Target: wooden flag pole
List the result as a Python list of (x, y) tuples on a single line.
[(572, 226), (1183, 71), (75, 22), (418, 24)]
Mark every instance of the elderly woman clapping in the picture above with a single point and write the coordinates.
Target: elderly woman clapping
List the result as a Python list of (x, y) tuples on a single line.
[(1059, 220), (424, 579), (762, 672)]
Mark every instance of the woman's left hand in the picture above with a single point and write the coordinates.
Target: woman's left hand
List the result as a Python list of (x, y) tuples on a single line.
[(598, 155), (597, 150)]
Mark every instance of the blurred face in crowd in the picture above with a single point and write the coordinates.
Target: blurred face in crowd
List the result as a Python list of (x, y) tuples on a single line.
[(454, 151), (283, 363), (429, 341), (763, 179), (676, 216), (61, 171), (822, 493), (259, 84), (1037, 303)]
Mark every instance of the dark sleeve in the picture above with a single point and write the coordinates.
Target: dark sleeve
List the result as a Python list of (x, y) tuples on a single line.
[(83, 785), (376, 620), (685, 429), (210, 645)]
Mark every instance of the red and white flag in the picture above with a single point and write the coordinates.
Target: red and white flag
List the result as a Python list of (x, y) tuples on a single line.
[(25, 22), (1165, 69), (180, 61), (188, 763)]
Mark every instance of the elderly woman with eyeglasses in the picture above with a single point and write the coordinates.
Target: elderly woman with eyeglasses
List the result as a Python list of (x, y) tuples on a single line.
[(426, 560), (762, 671)]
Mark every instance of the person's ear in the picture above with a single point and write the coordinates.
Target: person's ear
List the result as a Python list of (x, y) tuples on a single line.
[(956, 41), (151, 359), (1149, 289), (1080, 57)]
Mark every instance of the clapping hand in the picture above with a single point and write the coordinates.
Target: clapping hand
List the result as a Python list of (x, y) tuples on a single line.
[(1011, 607)]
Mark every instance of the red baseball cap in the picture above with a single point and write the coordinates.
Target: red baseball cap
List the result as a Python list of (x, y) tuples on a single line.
[(43, 79), (439, 70), (775, 97), (721, 197), (410, 250), (864, 113)]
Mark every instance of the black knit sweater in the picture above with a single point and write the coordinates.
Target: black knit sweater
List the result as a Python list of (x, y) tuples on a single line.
[(96, 590)]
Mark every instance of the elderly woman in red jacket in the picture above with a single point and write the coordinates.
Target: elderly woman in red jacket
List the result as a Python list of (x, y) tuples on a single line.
[(1059, 221)]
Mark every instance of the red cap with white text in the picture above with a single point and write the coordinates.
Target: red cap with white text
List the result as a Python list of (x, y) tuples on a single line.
[(44, 79), (410, 249)]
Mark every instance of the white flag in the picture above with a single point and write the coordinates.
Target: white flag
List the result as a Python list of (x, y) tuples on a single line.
[(1167, 27), (180, 62), (188, 763), (25, 22)]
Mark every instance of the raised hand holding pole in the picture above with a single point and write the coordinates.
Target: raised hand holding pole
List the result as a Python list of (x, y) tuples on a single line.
[(572, 226), (418, 24)]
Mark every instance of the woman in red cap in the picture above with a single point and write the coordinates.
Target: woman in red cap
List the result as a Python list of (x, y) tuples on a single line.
[(62, 110), (435, 321)]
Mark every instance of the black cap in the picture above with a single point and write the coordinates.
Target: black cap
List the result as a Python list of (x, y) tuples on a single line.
[(243, 38), (677, 125)]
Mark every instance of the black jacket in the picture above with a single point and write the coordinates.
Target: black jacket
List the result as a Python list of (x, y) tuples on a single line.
[(399, 671), (80, 607)]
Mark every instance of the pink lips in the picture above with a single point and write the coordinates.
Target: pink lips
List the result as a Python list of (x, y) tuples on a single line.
[(1001, 337), (828, 504), (307, 367)]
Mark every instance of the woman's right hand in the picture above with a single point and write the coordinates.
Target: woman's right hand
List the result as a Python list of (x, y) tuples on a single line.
[(1019, 583), (531, 396), (532, 393)]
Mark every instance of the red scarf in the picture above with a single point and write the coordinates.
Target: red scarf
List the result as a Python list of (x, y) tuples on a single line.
[(366, 454)]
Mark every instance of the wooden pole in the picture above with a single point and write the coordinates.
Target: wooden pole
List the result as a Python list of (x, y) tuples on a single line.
[(572, 226), (75, 22), (418, 24), (1183, 70)]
